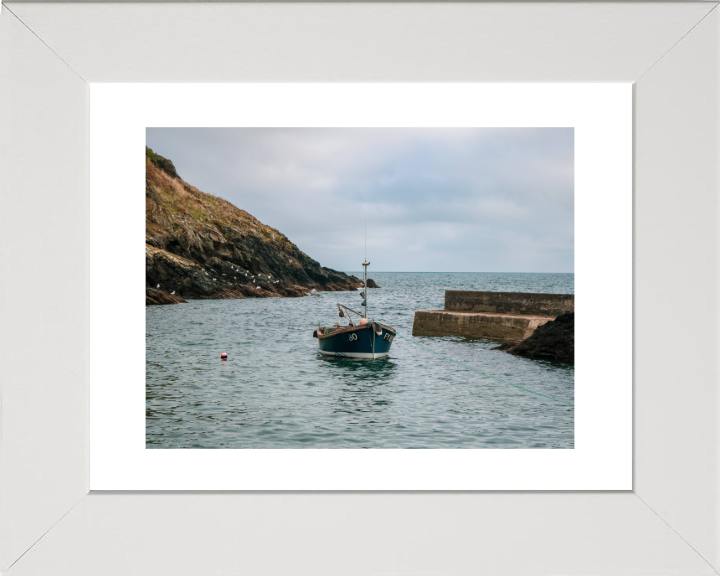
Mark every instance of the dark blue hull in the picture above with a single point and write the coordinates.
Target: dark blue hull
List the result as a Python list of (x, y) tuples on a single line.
[(366, 341)]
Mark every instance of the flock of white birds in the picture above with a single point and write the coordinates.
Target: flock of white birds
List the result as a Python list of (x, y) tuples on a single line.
[(235, 277)]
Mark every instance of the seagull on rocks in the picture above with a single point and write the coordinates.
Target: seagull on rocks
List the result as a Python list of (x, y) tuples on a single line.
[(158, 286), (173, 292)]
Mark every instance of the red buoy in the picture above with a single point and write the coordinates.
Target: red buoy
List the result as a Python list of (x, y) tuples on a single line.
[(223, 355)]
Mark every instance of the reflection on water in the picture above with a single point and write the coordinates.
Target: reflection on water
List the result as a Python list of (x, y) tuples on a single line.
[(377, 369), (366, 391), (276, 391)]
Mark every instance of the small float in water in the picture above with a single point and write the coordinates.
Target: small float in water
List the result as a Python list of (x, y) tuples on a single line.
[(366, 339)]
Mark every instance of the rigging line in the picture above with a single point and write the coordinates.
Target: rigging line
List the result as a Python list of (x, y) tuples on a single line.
[(481, 372)]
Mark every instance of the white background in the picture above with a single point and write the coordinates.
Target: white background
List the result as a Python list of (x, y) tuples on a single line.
[(602, 117)]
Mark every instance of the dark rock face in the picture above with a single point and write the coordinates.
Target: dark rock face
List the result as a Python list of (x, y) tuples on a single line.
[(158, 296), (371, 284), (201, 246), (554, 340)]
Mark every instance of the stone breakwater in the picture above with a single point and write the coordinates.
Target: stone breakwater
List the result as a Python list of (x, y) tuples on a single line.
[(509, 302), (493, 315), (475, 324)]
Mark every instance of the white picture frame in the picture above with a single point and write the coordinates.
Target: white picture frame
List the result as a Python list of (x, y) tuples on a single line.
[(601, 117), (49, 523)]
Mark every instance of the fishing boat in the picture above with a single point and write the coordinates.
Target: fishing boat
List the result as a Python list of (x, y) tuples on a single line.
[(365, 339)]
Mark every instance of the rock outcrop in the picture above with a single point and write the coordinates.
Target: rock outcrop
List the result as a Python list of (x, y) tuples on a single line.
[(371, 283), (158, 296), (554, 340), (201, 246)]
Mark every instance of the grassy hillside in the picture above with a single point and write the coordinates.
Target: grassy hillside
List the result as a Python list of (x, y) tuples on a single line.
[(201, 246)]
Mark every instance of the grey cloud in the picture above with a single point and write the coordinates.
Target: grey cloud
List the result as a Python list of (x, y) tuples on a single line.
[(435, 199)]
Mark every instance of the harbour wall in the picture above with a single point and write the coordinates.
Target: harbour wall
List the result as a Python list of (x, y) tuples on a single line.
[(509, 302), (475, 324), (493, 315)]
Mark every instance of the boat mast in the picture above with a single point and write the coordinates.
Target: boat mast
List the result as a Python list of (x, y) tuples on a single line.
[(365, 265)]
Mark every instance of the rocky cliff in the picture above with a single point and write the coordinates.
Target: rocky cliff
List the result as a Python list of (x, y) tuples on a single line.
[(554, 340), (201, 246)]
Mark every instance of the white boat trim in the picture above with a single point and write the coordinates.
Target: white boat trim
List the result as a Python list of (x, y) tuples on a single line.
[(366, 355)]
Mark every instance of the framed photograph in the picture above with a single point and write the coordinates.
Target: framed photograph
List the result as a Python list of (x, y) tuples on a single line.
[(92, 464)]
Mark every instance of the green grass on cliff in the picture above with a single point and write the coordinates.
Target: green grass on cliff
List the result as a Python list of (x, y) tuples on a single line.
[(150, 154), (173, 206)]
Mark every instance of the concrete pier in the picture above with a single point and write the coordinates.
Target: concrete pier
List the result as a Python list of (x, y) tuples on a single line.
[(494, 315), (509, 302)]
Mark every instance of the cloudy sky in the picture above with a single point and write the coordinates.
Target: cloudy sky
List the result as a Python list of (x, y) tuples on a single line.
[(435, 200)]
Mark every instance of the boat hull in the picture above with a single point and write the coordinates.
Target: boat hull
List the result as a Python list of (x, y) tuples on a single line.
[(363, 342)]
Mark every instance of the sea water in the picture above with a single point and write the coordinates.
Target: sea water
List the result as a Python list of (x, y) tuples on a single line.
[(276, 391)]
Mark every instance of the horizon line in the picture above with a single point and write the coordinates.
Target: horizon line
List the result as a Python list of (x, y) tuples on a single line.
[(444, 272)]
